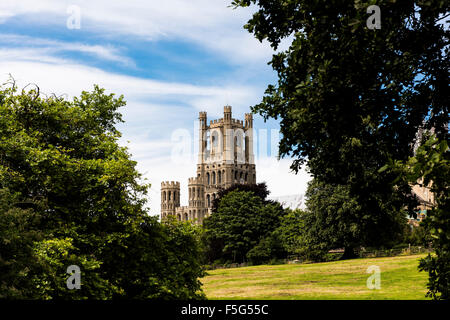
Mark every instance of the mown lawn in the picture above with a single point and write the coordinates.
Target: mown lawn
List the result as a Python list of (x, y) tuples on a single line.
[(400, 279)]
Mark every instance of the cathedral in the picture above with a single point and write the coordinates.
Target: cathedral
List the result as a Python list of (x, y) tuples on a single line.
[(225, 157)]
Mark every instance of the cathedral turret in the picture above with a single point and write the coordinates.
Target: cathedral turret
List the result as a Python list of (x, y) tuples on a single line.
[(202, 117), (170, 198), (197, 209)]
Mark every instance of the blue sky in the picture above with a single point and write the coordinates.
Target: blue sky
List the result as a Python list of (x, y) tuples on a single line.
[(170, 59)]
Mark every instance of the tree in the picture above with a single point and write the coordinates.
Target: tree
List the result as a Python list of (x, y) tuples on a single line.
[(241, 221), (334, 219), (287, 239), (259, 189), (291, 232), (18, 233), (269, 249), (431, 166), (350, 98), (81, 201)]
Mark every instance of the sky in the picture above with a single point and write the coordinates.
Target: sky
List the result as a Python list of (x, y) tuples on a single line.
[(169, 59)]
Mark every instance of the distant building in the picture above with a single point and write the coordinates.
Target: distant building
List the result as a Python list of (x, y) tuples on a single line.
[(422, 192), (225, 158), (425, 197)]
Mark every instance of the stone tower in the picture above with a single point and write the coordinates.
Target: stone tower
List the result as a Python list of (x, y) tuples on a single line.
[(197, 208), (170, 198), (225, 158)]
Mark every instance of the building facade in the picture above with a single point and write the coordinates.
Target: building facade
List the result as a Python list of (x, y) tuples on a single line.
[(225, 157)]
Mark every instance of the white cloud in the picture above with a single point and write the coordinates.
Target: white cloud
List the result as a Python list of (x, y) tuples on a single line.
[(211, 24), (38, 48), (71, 78)]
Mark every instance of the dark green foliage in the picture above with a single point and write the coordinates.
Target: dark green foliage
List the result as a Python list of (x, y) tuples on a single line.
[(269, 248), (350, 98), (259, 189), (431, 164), (291, 231), (78, 199), (241, 221), (18, 232), (167, 263), (417, 235), (335, 219)]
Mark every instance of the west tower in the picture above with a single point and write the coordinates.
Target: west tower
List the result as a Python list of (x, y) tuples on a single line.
[(225, 157)]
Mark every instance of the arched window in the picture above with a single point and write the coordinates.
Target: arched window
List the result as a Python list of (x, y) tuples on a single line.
[(198, 193), (208, 200), (235, 147), (235, 175), (193, 193), (164, 196), (247, 146), (246, 177), (208, 143), (219, 177), (214, 177), (207, 176), (175, 196), (170, 195), (215, 139)]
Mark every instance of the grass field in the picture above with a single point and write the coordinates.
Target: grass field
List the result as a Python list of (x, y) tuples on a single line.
[(400, 279)]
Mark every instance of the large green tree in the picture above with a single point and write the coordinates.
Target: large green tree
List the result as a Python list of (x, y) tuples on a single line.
[(350, 98), (80, 201), (240, 222), (335, 219)]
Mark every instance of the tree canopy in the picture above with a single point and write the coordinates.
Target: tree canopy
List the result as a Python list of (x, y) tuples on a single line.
[(70, 195), (240, 222), (350, 99)]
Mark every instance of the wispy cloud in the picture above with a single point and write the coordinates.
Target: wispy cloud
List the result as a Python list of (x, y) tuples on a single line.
[(46, 47), (210, 24)]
